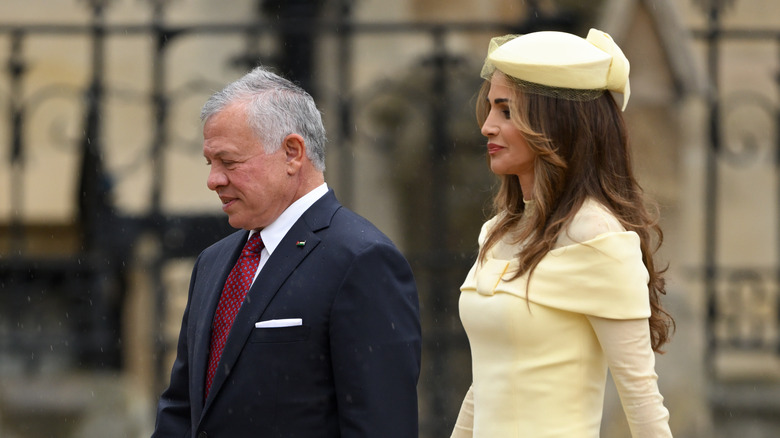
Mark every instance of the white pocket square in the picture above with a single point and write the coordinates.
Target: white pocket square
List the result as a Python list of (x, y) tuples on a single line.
[(276, 323)]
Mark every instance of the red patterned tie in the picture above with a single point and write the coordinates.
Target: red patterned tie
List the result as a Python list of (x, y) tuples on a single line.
[(233, 294)]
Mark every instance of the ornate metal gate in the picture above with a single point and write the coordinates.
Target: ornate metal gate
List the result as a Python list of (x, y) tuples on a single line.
[(742, 244), (81, 291)]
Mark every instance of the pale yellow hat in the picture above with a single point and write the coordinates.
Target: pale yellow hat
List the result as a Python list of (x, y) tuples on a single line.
[(561, 60)]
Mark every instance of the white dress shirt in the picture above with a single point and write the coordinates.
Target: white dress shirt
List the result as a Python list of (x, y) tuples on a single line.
[(275, 232)]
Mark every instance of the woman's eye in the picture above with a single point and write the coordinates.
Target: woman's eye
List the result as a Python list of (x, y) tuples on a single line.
[(506, 113)]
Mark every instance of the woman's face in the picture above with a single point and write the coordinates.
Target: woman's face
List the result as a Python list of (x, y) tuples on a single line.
[(507, 148)]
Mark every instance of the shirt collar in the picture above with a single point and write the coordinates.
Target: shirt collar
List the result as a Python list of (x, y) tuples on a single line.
[(275, 232)]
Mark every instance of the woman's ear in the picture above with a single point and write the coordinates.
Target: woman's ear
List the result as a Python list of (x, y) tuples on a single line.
[(295, 150)]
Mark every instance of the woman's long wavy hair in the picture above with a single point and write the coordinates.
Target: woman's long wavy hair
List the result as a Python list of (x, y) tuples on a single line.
[(582, 151)]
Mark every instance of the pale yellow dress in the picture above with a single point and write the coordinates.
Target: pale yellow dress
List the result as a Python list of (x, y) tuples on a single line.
[(539, 359)]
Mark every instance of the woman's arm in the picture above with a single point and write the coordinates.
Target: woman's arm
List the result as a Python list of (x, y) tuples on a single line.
[(626, 345)]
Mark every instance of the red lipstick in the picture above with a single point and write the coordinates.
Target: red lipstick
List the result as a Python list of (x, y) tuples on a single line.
[(493, 148)]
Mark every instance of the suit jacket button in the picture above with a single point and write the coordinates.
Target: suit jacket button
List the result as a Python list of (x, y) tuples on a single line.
[(203, 434)]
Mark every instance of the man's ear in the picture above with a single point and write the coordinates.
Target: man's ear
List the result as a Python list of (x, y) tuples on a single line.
[(295, 150)]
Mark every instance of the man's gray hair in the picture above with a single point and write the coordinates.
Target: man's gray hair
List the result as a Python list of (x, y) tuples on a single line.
[(275, 108)]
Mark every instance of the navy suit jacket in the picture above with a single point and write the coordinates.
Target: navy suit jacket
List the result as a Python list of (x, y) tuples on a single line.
[(350, 370)]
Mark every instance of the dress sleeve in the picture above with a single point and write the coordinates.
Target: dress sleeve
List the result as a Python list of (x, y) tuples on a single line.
[(464, 425), (626, 345)]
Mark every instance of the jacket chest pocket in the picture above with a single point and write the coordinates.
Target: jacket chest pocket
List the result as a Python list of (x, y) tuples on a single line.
[(280, 334)]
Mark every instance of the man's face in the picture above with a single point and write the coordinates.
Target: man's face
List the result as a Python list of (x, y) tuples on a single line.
[(254, 187)]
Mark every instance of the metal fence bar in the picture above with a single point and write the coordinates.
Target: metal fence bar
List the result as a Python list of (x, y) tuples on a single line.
[(104, 280)]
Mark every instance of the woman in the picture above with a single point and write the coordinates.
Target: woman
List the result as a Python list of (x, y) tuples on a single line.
[(564, 285)]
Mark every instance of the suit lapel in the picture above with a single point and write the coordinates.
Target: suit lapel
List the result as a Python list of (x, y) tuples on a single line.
[(226, 258), (282, 263)]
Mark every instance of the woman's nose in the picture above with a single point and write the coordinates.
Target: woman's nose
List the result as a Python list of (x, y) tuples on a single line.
[(489, 128)]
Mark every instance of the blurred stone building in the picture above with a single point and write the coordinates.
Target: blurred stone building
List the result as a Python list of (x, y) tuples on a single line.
[(103, 204)]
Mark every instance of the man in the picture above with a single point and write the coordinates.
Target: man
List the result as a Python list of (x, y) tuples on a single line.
[(326, 341)]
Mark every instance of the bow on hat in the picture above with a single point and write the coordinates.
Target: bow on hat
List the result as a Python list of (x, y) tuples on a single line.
[(617, 75), (561, 60)]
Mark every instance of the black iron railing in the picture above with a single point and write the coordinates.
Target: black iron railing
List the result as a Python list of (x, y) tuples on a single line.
[(85, 287)]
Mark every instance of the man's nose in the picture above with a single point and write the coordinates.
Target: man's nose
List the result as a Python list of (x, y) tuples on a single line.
[(216, 178)]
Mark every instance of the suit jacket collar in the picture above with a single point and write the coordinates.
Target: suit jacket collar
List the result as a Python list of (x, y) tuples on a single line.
[(282, 263)]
